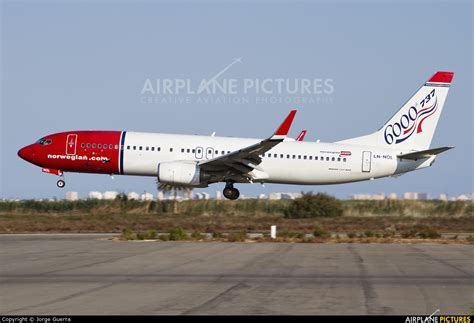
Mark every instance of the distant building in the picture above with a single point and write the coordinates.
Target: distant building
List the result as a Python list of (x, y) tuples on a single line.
[(72, 196), (392, 196), (262, 196), (198, 196), (274, 196), (95, 195), (133, 196), (109, 195), (218, 195), (443, 197), (372, 197), (423, 196), (161, 196), (410, 196), (146, 197), (205, 195), (466, 197)]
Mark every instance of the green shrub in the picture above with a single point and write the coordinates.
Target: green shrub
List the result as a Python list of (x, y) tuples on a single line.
[(146, 235), (351, 235), (411, 233), (128, 234), (313, 206), (196, 235), (429, 233), (369, 234), (164, 237), (237, 236), (177, 234), (319, 232)]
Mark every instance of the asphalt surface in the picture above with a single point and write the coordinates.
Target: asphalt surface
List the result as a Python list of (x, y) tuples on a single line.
[(81, 274)]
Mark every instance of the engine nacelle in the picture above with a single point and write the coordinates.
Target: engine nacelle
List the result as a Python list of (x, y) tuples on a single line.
[(179, 173)]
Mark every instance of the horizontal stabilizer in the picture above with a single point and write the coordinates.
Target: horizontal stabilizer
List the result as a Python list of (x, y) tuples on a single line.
[(424, 153)]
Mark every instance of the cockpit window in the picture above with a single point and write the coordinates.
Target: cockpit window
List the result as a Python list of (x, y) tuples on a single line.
[(44, 142)]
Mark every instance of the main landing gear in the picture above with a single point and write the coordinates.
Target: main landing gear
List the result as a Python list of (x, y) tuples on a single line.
[(60, 183), (230, 192)]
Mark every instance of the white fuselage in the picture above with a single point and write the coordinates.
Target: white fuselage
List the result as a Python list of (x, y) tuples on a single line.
[(290, 162)]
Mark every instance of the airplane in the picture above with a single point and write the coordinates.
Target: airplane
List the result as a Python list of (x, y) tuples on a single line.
[(401, 145)]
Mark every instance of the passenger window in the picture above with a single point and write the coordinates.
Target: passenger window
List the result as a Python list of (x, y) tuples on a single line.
[(171, 150), (111, 146), (187, 150), (140, 148), (134, 147), (315, 157), (182, 150), (299, 156), (105, 146), (99, 146), (193, 151), (333, 159), (310, 157), (339, 159), (88, 145), (228, 151), (304, 157), (327, 158), (269, 155), (294, 156), (116, 147), (83, 145), (128, 147), (158, 149), (281, 155), (223, 152), (275, 155), (93, 145), (152, 148), (147, 148), (287, 156), (344, 160)]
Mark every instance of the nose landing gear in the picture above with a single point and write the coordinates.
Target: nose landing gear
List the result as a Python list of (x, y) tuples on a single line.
[(230, 192)]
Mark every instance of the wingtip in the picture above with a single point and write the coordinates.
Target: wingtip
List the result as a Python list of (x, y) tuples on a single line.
[(286, 125)]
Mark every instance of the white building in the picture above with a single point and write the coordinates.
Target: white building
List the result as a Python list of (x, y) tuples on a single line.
[(410, 196), (95, 195), (443, 197), (110, 195), (205, 195), (274, 196), (146, 197), (465, 197), (218, 195), (392, 196), (133, 196), (262, 196), (161, 196), (72, 196)]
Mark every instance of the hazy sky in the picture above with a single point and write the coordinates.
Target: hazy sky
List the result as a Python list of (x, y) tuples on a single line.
[(82, 65)]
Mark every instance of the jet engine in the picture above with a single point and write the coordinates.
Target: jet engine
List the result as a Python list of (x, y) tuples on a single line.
[(181, 173)]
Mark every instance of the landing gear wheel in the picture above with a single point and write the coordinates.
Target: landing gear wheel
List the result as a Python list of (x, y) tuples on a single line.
[(231, 193), (61, 183)]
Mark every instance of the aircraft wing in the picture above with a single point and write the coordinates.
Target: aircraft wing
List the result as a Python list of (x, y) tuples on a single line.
[(424, 153), (247, 159)]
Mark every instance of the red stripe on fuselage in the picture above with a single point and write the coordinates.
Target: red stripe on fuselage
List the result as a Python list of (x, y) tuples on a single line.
[(96, 152)]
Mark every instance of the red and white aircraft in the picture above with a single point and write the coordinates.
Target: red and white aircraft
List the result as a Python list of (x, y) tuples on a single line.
[(400, 146)]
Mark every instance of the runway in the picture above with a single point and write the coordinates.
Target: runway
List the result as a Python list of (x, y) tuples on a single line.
[(81, 274)]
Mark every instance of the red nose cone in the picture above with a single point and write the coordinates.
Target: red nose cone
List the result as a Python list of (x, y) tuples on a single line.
[(26, 153)]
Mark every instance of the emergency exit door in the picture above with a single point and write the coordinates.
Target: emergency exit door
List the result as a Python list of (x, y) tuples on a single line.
[(366, 161)]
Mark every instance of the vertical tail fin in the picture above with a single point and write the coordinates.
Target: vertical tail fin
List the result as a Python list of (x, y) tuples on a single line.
[(413, 126)]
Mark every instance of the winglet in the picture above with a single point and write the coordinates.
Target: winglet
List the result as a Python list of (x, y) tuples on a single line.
[(282, 131), (301, 136)]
